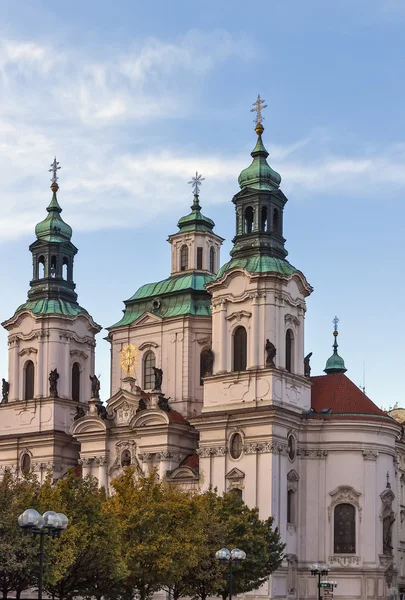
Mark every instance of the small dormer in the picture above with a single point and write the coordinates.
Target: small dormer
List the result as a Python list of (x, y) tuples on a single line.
[(195, 247)]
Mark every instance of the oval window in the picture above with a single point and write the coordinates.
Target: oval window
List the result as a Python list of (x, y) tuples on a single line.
[(25, 464), (236, 445), (291, 447)]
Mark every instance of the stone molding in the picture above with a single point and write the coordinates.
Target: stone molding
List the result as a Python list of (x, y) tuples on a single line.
[(28, 351), (239, 315), (145, 456), (100, 460), (370, 454), (344, 561), (204, 452), (79, 354)]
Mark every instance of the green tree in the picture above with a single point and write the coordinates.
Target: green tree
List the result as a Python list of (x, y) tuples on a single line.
[(159, 537), (206, 577), (18, 553), (85, 561), (245, 530)]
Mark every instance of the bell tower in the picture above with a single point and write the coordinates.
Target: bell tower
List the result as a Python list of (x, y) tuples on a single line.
[(258, 300), (51, 341)]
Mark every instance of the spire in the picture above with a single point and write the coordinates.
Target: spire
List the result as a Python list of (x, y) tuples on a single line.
[(196, 220), (335, 364), (53, 228), (259, 175)]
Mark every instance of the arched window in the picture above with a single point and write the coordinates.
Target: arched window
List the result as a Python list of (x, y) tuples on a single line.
[(289, 350), (239, 349), (212, 259), (29, 380), (76, 382), (149, 361), (249, 214), (236, 446), (53, 266), (276, 221), (65, 268), (184, 258), (25, 464), (41, 267), (199, 258), (263, 220), (206, 364), (344, 534)]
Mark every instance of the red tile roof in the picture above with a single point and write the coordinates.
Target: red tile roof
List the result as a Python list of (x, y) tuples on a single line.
[(176, 417), (191, 461), (338, 393)]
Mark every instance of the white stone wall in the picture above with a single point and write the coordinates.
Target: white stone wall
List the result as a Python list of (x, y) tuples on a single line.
[(177, 344)]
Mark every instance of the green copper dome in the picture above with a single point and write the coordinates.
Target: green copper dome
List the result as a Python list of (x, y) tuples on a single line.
[(195, 221), (335, 364), (259, 175), (53, 228)]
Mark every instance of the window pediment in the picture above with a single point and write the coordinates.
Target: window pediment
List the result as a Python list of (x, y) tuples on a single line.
[(235, 474), (344, 494)]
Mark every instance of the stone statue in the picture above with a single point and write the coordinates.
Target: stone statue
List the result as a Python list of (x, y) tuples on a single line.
[(142, 405), (95, 386), (387, 532), (163, 404), (53, 383), (209, 363), (307, 366), (158, 378), (80, 412), (101, 410), (5, 388), (270, 354)]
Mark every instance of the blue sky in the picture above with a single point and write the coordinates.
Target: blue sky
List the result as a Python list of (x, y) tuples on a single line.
[(134, 97)]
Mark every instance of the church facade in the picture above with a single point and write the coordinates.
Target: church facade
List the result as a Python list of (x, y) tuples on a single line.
[(211, 386)]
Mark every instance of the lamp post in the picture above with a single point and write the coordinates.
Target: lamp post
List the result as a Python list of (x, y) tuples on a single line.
[(320, 569), (230, 557), (50, 523)]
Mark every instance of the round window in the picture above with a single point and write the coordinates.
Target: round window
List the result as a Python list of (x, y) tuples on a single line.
[(236, 445), (291, 447)]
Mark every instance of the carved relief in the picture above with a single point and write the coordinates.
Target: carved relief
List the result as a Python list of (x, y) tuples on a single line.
[(124, 413), (311, 453), (370, 454), (344, 494), (345, 561), (291, 320), (239, 315), (28, 351)]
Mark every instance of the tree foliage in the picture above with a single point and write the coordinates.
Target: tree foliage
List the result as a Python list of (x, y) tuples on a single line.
[(85, 561), (18, 553), (158, 533), (145, 537)]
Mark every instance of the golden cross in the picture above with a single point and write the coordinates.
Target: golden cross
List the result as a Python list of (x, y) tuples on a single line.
[(258, 106)]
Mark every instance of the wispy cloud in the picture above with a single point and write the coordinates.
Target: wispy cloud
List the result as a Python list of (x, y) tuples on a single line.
[(63, 103)]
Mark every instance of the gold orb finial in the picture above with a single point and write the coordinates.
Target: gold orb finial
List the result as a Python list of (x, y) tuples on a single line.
[(54, 187), (259, 129)]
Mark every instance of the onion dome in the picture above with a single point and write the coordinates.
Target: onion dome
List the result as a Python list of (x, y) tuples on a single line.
[(53, 228), (195, 221), (259, 175), (335, 364)]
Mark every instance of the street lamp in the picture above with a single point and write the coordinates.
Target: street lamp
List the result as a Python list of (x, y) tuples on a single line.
[(50, 523), (230, 557), (320, 569)]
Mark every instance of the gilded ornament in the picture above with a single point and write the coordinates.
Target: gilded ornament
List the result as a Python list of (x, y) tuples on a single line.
[(128, 358)]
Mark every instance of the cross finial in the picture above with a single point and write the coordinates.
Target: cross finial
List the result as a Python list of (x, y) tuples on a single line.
[(196, 183), (258, 106), (54, 169), (335, 323)]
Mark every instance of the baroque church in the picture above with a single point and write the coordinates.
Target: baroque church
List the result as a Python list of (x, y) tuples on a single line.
[(211, 386)]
